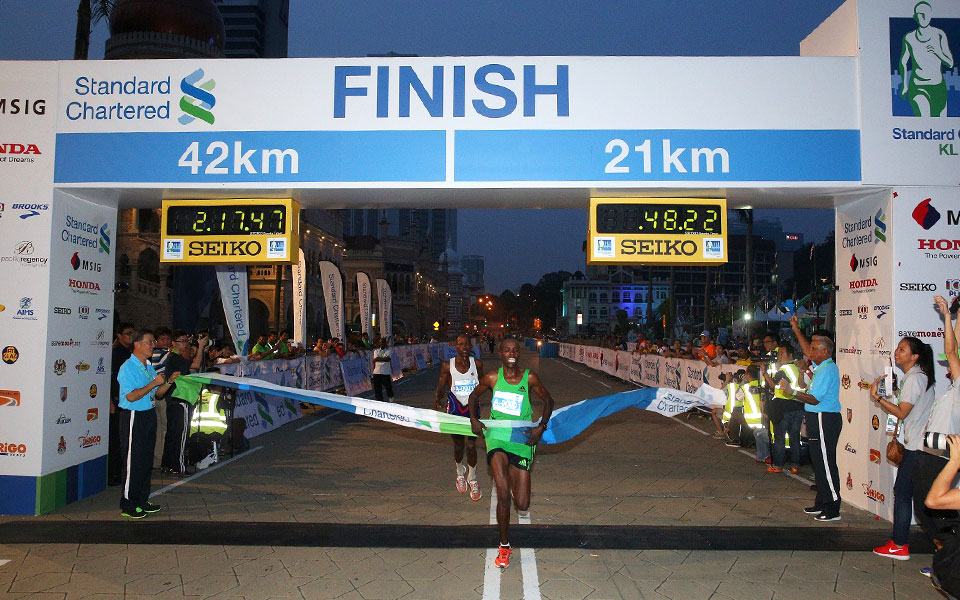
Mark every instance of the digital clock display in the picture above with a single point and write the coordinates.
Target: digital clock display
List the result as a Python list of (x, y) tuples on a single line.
[(246, 219), (659, 218)]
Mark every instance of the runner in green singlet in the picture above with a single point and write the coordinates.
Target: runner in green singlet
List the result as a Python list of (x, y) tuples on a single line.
[(510, 462)]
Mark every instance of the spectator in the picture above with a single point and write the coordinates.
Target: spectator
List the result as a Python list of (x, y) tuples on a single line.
[(139, 382), (281, 342), (159, 361), (944, 419), (183, 358), (707, 347), (382, 371), (915, 401), (122, 347), (365, 340), (337, 347), (225, 355)]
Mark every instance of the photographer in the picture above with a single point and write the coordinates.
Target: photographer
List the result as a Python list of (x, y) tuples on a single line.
[(944, 419), (913, 407)]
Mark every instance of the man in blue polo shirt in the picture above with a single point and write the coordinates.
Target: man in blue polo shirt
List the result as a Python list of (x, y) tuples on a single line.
[(138, 424), (824, 422)]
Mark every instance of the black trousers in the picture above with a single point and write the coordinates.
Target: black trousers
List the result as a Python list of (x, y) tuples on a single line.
[(933, 522), (380, 382), (175, 441), (823, 434), (114, 454), (138, 434)]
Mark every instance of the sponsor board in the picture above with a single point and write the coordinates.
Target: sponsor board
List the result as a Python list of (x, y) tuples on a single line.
[(25, 312), (93, 414), (86, 440), (22, 253), (17, 449), (9, 398)]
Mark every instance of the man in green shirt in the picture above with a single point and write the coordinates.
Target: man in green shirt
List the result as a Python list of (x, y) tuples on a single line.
[(510, 462)]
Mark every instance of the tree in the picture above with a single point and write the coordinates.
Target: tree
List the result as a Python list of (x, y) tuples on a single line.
[(89, 12)]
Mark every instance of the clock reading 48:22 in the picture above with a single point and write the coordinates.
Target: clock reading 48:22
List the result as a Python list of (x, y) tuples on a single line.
[(227, 220)]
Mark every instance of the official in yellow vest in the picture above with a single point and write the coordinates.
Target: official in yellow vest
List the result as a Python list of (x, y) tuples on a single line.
[(785, 413)]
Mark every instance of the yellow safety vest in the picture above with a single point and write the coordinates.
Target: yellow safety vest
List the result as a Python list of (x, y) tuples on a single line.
[(792, 372), (751, 404), (731, 401)]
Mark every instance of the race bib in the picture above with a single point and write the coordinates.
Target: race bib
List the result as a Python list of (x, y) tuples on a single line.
[(461, 389), (508, 403)]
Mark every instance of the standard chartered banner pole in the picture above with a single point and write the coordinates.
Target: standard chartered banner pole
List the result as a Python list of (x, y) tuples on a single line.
[(385, 299), (299, 299), (363, 293), (333, 297), (235, 295)]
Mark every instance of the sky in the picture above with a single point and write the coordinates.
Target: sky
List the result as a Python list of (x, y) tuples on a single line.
[(512, 242)]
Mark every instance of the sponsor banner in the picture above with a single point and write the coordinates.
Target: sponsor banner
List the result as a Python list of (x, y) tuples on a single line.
[(365, 296), (581, 112), (77, 363), (332, 284), (909, 92), (867, 278), (235, 296), (265, 412), (298, 272), (385, 304), (356, 376)]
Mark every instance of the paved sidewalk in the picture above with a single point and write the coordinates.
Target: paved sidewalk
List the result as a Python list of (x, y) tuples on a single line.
[(615, 486)]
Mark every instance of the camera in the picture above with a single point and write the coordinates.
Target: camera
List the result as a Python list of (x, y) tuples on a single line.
[(935, 441)]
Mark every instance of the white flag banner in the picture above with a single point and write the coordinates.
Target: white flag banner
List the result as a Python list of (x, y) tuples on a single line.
[(298, 272), (385, 301), (235, 295), (333, 297), (366, 301)]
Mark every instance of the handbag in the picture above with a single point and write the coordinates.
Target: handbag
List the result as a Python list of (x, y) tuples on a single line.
[(894, 447)]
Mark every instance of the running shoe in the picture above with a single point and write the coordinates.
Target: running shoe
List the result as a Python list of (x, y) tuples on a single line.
[(137, 513), (794, 470), (149, 508), (926, 572), (813, 510), (768, 460), (461, 484), (824, 517), (893, 551), (503, 557), (475, 493), (732, 444), (773, 469)]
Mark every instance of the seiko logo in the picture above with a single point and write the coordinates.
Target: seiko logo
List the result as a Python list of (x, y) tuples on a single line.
[(61, 310), (845, 312), (918, 287), (198, 248), (658, 247)]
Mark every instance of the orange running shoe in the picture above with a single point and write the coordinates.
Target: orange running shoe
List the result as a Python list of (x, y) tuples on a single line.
[(503, 558), (794, 470), (475, 493), (773, 469), (461, 484)]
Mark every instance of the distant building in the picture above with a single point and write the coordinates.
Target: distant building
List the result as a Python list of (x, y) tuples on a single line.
[(165, 29), (601, 293), (255, 28), (472, 265), (433, 227)]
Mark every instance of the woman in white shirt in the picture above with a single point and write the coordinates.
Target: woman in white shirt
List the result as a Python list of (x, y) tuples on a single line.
[(915, 401)]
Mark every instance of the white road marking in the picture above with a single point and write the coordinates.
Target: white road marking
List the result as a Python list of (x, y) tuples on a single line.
[(491, 573), (4, 561), (528, 567), (585, 374), (204, 472), (311, 424)]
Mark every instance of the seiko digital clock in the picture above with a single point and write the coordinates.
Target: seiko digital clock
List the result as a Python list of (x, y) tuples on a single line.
[(691, 231), (254, 231)]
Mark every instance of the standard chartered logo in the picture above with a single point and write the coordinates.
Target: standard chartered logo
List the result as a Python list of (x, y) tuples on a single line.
[(104, 239), (880, 231), (197, 101)]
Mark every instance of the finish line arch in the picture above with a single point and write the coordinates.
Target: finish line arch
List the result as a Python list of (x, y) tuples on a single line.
[(83, 139)]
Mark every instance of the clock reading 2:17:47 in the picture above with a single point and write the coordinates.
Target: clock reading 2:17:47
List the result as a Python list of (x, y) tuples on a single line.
[(226, 220)]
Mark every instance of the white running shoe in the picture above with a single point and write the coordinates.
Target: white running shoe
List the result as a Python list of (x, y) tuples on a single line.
[(461, 484)]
